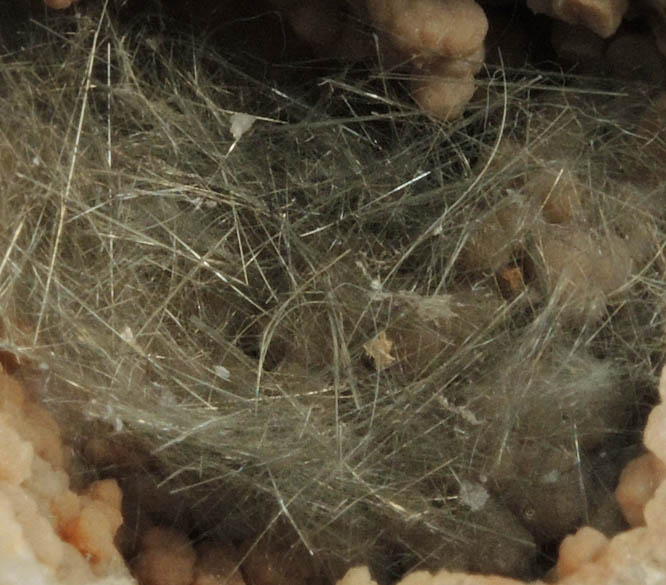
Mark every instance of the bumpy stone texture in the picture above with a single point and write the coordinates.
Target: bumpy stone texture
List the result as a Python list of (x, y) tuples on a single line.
[(443, 42), (50, 534)]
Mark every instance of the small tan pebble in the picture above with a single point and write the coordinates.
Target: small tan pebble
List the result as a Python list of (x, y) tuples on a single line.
[(106, 490), (217, 565), (378, 349), (444, 87), (166, 557), (580, 548), (91, 534), (448, 28), (638, 481), (98, 451), (443, 98), (602, 17), (654, 435), (512, 277), (108, 497), (113, 515)]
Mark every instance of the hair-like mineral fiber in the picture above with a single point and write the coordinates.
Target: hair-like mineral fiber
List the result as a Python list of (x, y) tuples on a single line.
[(315, 316)]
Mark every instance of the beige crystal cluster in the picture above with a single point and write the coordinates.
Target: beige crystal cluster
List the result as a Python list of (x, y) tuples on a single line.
[(50, 534), (440, 44), (443, 42)]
